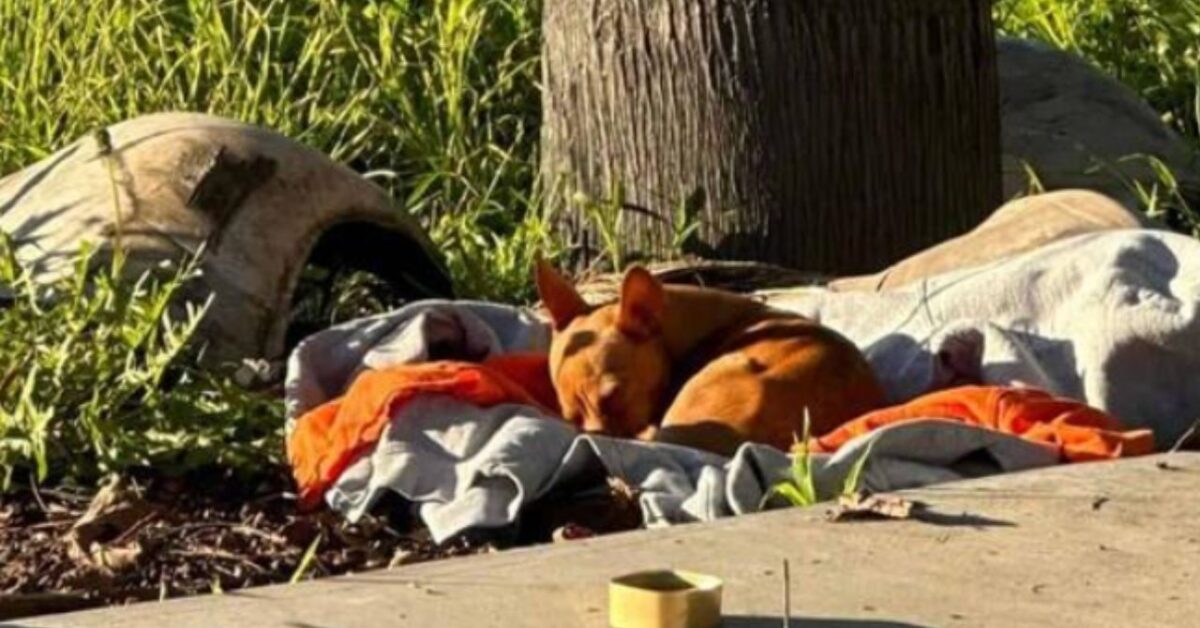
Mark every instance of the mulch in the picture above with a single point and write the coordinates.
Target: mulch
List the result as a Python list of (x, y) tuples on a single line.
[(156, 538), (181, 538)]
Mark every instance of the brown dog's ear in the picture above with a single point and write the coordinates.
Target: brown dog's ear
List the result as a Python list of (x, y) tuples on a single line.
[(558, 295), (642, 304)]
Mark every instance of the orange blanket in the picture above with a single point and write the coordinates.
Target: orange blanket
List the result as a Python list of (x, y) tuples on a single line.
[(1080, 432), (330, 437)]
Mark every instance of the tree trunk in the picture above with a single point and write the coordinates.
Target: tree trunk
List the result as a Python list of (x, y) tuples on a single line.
[(830, 135)]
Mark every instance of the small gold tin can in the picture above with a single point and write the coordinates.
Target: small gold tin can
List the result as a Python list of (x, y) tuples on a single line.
[(664, 599)]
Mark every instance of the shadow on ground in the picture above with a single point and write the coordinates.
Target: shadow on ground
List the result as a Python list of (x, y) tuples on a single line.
[(756, 621)]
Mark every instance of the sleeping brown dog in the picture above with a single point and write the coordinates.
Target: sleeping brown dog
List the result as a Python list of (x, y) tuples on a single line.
[(719, 369)]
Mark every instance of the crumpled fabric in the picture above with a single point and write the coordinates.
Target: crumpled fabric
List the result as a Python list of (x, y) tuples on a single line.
[(1109, 319), (1078, 432), (468, 467), (1106, 319), (331, 436), (322, 366)]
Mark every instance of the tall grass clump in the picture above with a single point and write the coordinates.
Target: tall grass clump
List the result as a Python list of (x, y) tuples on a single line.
[(1152, 46), (97, 376), (436, 100)]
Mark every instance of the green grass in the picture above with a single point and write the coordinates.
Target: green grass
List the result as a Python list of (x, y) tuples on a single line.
[(436, 100), (800, 489), (97, 377), (1151, 45)]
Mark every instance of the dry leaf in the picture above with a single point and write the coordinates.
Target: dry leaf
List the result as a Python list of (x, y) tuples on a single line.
[(863, 506), (622, 489), (113, 512)]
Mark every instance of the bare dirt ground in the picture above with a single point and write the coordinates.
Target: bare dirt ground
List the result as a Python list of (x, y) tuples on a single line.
[(158, 538), (167, 538)]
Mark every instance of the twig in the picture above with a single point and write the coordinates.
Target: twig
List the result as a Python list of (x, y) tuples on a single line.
[(1187, 436), (135, 528), (66, 496), (233, 576), (221, 554), (48, 525), (236, 528), (1165, 464), (104, 143), (37, 495), (787, 595)]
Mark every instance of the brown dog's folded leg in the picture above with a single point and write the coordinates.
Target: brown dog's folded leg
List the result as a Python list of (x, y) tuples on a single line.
[(710, 436)]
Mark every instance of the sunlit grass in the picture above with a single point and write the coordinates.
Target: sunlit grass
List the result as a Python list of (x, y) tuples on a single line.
[(1151, 45), (436, 99)]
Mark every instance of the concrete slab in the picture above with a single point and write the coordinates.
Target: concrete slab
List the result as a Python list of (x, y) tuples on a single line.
[(1105, 544)]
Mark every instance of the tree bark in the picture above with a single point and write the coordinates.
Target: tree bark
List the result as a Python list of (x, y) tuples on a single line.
[(830, 135)]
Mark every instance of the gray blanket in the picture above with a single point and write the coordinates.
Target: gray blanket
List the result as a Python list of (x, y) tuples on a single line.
[(1105, 318), (1108, 318)]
